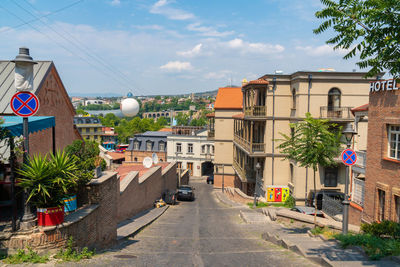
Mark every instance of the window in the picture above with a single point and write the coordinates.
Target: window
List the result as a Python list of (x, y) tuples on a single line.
[(394, 142), (161, 146), (95, 130), (294, 98), (208, 149), (212, 149), (95, 137), (136, 145), (149, 145), (190, 167), (397, 209), (87, 130), (203, 149), (190, 148), (135, 159), (179, 147), (179, 165), (331, 177), (334, 99), (381, 207)]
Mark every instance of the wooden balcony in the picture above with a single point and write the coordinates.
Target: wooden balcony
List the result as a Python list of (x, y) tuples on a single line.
[(251, 148), (255, 111), (245, 174), (333, 113)]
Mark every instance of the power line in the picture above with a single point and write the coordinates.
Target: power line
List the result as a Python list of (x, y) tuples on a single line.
[(61, 45), (80, 45), (49, 14)]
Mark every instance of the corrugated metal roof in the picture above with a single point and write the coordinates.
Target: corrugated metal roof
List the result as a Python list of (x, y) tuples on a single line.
[(7, 89)]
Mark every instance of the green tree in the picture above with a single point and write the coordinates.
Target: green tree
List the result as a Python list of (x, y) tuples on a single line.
[(162, 121), (81, 112), (182, 119), (368, 27), (313, 143), (109, 120)]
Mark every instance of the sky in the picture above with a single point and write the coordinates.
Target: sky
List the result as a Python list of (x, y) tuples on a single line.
[(161, 47)]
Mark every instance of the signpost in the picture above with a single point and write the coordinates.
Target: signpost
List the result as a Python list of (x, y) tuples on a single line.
[(349, 157)]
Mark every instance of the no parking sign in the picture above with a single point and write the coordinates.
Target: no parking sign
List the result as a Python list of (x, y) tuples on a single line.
[(24, 104), (349, 157)]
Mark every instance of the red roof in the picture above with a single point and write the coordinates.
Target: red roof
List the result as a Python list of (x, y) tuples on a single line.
[(238, 116), (360, 108), (127, 168), (229, 98), (165, 130), (258, 81), (116, 155)]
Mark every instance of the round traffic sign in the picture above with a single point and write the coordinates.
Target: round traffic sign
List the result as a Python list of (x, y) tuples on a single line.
[(24, 104), (349, 157)]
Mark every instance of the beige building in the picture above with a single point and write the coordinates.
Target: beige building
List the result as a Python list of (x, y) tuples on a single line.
[(228, 103), (274, 101)]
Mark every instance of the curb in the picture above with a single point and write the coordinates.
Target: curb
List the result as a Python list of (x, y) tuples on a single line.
[(143, 226), (322, 260)]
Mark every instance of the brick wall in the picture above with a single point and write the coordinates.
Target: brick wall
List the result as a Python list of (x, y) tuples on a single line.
[(355, 214), (383, 110), (139, 193)]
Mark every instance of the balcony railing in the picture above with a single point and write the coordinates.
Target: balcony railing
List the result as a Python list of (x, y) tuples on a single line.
[(246, 174), (335, 112), (357, 195), (211, 133), (361, 159), (251, 148), (255, 111)]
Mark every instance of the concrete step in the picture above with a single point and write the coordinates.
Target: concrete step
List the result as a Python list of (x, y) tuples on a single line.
[(253, 217)]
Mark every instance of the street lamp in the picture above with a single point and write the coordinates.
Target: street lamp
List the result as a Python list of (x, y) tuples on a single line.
[(258, 167), (23, 81), (348, 133)]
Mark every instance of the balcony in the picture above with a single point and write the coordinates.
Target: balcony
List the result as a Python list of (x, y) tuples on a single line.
[(255, 111), (245, 174), (251, 148), (341, 113), (211, 133)]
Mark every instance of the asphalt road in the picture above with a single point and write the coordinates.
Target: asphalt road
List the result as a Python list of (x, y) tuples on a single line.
[(203, 232)]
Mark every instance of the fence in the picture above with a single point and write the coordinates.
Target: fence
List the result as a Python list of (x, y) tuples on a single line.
[(331, 206)]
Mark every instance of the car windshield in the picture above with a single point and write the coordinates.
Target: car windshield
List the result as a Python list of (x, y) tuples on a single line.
[(185, 188)]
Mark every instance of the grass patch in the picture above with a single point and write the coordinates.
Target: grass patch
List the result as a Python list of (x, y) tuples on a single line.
[(71, 254), (23, 256), (375, 247), (259, 204)]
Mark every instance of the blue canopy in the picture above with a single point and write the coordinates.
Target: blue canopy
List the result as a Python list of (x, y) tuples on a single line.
[(36, 123)]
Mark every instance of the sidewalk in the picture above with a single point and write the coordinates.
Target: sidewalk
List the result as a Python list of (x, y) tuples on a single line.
[(324, 252), (139, 221)]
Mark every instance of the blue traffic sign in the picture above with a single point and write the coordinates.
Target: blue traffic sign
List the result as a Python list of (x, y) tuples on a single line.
[(24, 104), (349, 157)]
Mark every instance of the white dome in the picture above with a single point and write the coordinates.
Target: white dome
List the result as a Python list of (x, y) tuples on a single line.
[(129, 107)]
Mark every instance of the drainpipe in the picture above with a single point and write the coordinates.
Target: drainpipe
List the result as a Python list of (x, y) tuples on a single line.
[(308, 110), (273, 128)]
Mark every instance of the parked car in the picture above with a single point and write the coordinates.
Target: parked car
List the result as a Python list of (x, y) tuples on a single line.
[(307, 210), (339, 196), (210, 179), (185, 192)]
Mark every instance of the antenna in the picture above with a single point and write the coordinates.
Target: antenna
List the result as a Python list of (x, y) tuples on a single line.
[(147, 162)]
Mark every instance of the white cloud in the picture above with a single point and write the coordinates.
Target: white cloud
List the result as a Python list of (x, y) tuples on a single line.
[(322, 50), (257, 48), (161, 7), (176, 66), (149, 27), (207, 31), (115, 2), (192, 52), (218, 75)]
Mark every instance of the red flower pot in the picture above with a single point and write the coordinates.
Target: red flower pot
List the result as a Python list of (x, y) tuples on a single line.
[(50, 216)]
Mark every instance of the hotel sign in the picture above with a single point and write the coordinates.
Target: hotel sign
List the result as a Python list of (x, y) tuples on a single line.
[(383, 85)]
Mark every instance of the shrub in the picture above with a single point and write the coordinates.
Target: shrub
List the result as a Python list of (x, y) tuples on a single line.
[(290, 202), (71, 254), (382, 229), (21, 256)]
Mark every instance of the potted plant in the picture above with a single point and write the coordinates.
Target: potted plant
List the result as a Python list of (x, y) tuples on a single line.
[(47, 182)]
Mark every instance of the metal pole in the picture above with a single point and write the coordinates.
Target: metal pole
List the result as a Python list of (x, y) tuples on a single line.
[(346, 202), (273, 130), (12, 158), (308, 110), (255, 190), (28, 215)]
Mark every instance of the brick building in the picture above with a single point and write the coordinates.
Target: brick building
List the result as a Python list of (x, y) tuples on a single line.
[(145, 145)]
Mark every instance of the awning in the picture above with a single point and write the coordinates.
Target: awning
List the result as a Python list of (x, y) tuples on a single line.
[(36, 123)]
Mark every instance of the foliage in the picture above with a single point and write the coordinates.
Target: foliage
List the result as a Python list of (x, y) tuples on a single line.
[(127, 129), (368, 27), (182, 119), (30, 256), (383, 229), (373, 246), (259, 204), (317, 230), (48, 181), (290, 202), (71, 254), (313, 143), (86, 153), (81, 112)]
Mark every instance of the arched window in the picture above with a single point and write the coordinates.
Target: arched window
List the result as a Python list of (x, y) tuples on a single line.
[(334, 97), (135, 159), (294, 98)]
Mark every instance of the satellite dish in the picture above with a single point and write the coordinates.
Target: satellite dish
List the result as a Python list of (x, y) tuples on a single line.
[(154, 158), (147, 162)]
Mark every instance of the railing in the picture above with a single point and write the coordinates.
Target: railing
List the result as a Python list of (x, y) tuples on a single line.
[(331, 206), (335, 112), (357, 195), (211, 133), (255, 111), (251, 148), (245, 173), (361, 159)]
